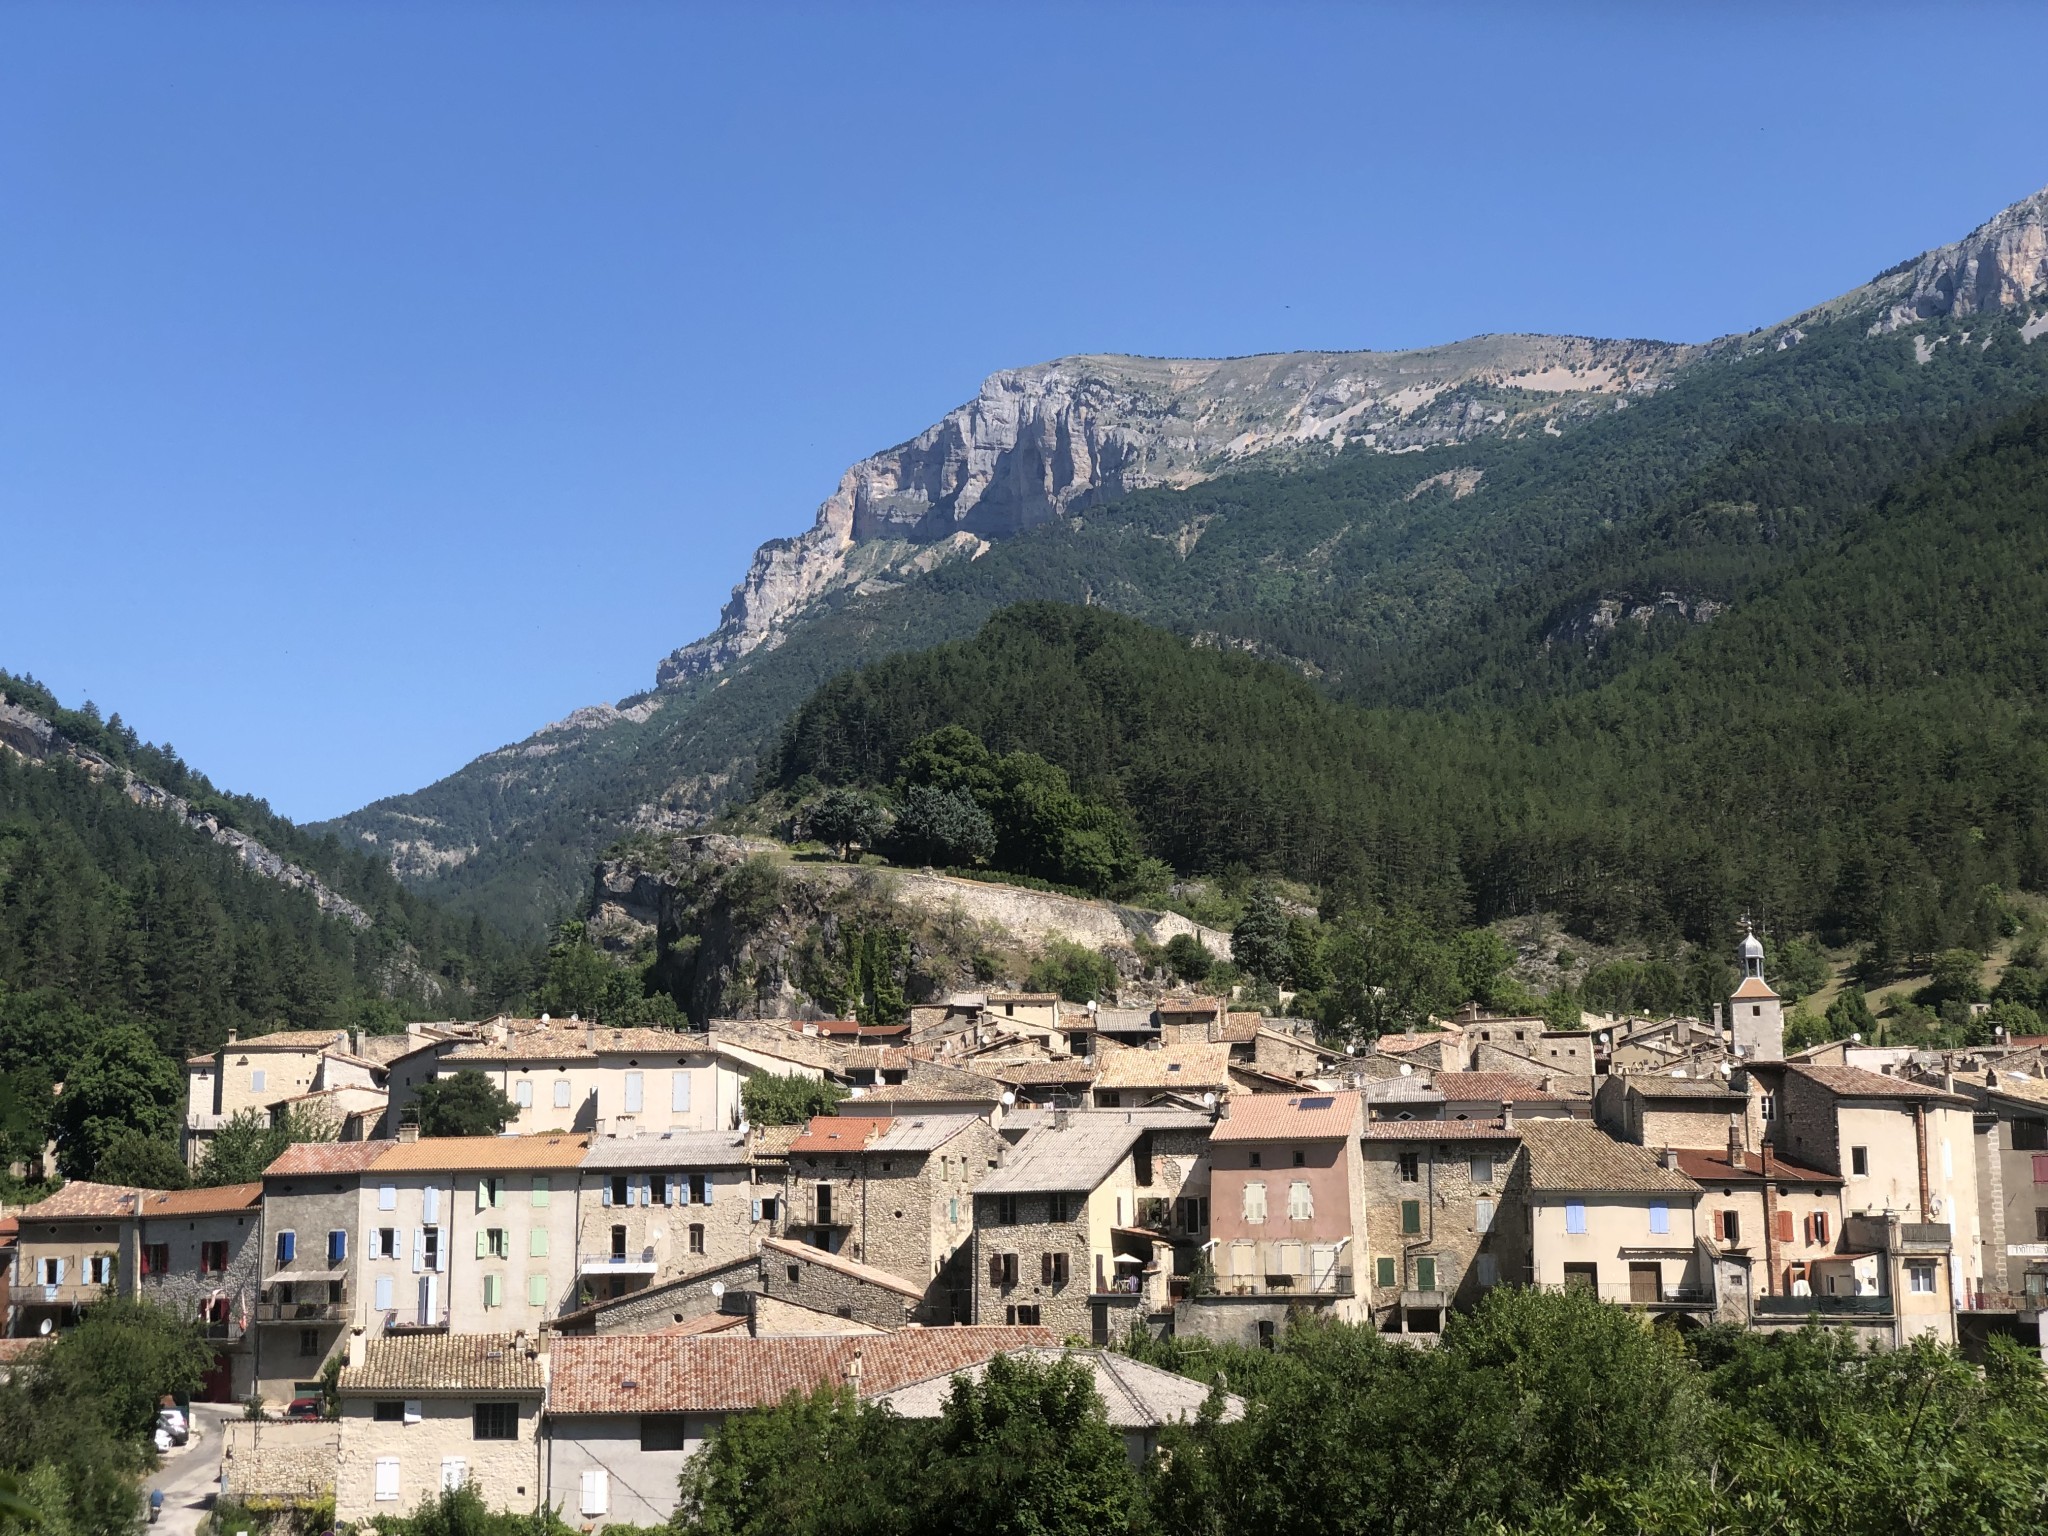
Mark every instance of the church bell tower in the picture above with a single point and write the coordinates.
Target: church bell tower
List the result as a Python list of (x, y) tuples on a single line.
[(1756, 1016)]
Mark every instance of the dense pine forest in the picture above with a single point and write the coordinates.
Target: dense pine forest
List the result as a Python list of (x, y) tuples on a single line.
[(128, 940), (1853, 749)]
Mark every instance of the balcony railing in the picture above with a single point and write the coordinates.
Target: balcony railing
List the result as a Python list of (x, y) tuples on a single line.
[(301, 1311), (1821, 1306), (1326, 1283), (1888, 1234), (1631, 1294)]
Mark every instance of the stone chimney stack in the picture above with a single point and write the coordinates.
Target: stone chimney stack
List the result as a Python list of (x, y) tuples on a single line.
[(1507, 1114), (1735, 1157), (1670, 1159), (409, 1130)]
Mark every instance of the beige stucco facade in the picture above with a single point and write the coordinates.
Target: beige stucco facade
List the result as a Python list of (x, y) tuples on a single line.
[(433, 1444)]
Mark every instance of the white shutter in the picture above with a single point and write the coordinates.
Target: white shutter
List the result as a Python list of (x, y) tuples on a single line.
[(683, 1193), (1482, 1216), (387, 1197), (419, 1249), (430, 1206), (708, 1181), (387, 1478), (679, 1093), (412, 1410), (596, 1491), (383, 1302), (483, 1193), (634, 1085), (561, 1093), (605, 1184), (441, 1254), (668, 1189), (454, 1471), (757, 1210)]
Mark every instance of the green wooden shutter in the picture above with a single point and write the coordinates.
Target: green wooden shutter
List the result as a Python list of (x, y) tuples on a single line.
[(1386, 1274)]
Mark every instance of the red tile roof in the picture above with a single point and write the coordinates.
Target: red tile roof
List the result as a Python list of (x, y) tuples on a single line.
[(224, 1201), (431, 1154), (668, 1373), (1855, 1083), (307, 1158), (1714, 1168), (1289, 1117), (1440, 1130), (1502, 1087), (81, 1198), (839, 1133)]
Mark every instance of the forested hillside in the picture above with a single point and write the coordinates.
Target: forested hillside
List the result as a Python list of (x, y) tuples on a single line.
[(1856, 749), (1471, 574), (128, 940)]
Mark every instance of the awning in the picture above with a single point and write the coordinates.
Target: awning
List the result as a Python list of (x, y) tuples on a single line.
[(623, 1267), (305, 1276)]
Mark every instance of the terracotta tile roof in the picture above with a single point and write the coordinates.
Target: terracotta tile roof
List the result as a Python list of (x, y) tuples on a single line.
[(1190, 1005), (709, 1323), (774, 1140), (1503, 1087), (839, 1133), (1039, 999), (310, 1158), (624, 1373), (1714, 1168), (431, 1154), (82, 1198), (1393, 1045), (1755, 986), (200, 1061), (1855, 1083), (1170, 1066), (1441, 1130), (1281, 1117), (445, 1362), (1576, 1156), (1658, 1085), (226, 1200), (289, 1040), (1072, 1069), (839, 1264)]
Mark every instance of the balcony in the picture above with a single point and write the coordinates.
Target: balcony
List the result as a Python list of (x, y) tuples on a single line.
[(1888, 1234), (1425, 1301), (1633, 1293), (1319, 1287), (70, 1294), (1821, 1306), (301, 1311)]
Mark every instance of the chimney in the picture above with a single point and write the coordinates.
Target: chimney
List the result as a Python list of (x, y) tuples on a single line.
[(355, 1348), (1059, 1118), (233, 1034), (409, 1130), (1507, 1114), (1991, 1077), (1670, 1159), (1767, 1157), (1735, 1158), (853, 1371)]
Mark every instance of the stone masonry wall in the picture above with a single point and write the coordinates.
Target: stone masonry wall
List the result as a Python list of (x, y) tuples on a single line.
[(293, 1463), (1062, 1308)]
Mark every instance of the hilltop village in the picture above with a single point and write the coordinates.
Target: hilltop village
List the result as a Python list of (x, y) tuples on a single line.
[(633, 1258)]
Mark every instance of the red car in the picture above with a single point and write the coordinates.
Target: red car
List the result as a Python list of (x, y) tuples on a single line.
[(303, 1408)]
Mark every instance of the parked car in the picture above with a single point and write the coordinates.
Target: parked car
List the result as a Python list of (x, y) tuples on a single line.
[(172, 1421), (303, 1408), (163, 1439)]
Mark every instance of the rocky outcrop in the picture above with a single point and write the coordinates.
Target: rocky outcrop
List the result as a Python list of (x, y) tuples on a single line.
[(1589, 624), (29, 736), (1998, 266), (1047, 442)]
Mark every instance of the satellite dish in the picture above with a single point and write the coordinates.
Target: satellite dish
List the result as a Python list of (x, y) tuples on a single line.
[(46, 1327), (717, 1289), (1857, 1036), (1009, 1098), (1406, 1070), (543, 1018), (1208, 1101)]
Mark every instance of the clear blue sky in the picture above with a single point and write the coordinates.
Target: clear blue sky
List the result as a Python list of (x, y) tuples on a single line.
[(379, 382)]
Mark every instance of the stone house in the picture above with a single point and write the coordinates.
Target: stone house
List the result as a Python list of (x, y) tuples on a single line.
[(1286, 1211), (70, 1250), (1286, 1054), (425, 1412), (1055, 1234), (313, 1211), (1906, 1153), (255, 1074), (625, 1411), (477, 1234), (1437, 1050), (894, 1192), (2012, 1182), (1657, 1110), (1436, 1227), (199, 1253), (657, 1206), (798, 1275), (1484, 1095), (1781, 1220), (1131, 1079), (1607, 1215)]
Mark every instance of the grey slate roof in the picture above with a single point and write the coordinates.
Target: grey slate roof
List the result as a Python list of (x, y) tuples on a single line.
[(670, 1149), (921, 1133), (1076, 1158)]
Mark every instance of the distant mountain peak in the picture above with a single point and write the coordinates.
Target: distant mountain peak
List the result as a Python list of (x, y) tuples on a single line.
[(2000, 266)]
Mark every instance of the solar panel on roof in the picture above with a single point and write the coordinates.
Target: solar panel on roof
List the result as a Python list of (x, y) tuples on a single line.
[(1318, 1103)]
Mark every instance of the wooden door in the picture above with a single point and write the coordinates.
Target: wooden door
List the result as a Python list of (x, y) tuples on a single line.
[(1645, 1283)]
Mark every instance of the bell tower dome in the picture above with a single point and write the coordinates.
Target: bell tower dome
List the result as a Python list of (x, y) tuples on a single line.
[(1756, 1016)]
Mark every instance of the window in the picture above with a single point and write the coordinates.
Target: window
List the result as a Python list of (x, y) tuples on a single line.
[(1021, 1316), (1057, 1208), (1002, 1269), (561, 1093), (824, 1206), (1266, 1333), (679, 1094), (618, 1245), (1489, 1270), (287, 1247), (337, 1246), (536, 1290), (1006, 1210), (1575, 1217), (659, 1190), (257, 1079), (635, 1085), (384, 1243), (700, 1187), (497, 1421), (1660, 1217), (382, 1292), (387, 1477), (696, 1237), (1920, 1279), (2029, 1133), (387, 1197), (1482, 1216), (1255, 1201), (156, 1258), (490, 1192), (537, 1243), (494, 1290), (52, 1271), (1300, 1159), (99, 1269), (596, 1491), (619, 1189), (522, 1093), (1254, 1162), (1411, 1168), (1767, 1106), (454, 1472), (662, 1432), (764, 1208), (1817, 1229), (390, 1411), (1482, 1170), (2041, 1225), (493, 1243), (309, 1343), (1425, 1273), (1383, 1273), (1301, 1203), (1728, 1227), (1411, 1217), (430, 1248), (1859, 1162)]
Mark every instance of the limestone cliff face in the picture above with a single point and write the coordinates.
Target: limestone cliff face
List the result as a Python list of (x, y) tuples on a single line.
[(1046, 442)]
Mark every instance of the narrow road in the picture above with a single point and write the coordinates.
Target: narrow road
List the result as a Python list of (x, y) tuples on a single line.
[(190, 1475)]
